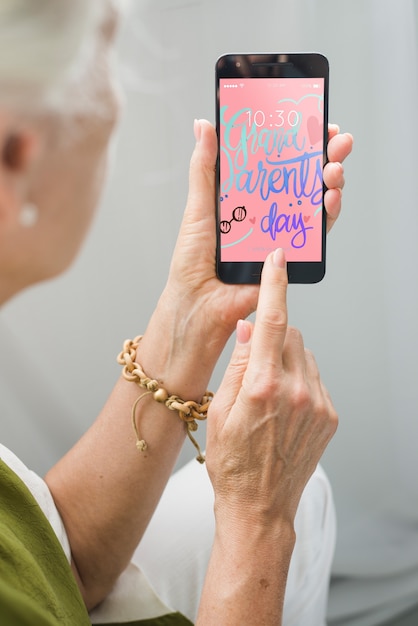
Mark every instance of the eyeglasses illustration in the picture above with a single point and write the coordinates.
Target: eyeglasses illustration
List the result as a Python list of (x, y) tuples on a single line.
[(238, 215)]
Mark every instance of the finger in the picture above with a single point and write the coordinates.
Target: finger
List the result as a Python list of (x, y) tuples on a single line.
[(334, 175), (333, 199), (339, 147), (332, 413), (333, 129), (271, 317), (231, 384), (294, 351), (313, 373)]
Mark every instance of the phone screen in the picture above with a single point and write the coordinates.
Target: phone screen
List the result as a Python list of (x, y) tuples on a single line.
[(271, 156)]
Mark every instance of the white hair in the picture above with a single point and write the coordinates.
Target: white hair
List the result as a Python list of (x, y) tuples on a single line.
[(45, 47)]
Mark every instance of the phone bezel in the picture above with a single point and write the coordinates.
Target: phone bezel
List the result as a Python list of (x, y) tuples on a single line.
[(279, 65)]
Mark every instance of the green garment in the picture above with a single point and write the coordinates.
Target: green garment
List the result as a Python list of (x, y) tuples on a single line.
[(37, 586)]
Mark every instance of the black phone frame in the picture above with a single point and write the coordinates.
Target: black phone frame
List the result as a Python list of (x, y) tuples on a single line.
[(279, 65)]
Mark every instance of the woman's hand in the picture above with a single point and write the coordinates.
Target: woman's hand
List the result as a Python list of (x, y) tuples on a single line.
[(193, 274), (271, 418), (268, 426)]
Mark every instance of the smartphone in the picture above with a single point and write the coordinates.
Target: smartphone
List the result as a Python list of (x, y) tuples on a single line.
[(272, 125)]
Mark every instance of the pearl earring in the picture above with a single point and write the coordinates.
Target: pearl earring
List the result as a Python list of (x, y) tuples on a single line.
[(29, 214)]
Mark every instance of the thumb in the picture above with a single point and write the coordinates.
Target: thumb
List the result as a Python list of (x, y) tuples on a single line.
[(201, 197), (198, 223)]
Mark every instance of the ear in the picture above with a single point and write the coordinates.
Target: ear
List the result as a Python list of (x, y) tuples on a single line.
[(18, 152)]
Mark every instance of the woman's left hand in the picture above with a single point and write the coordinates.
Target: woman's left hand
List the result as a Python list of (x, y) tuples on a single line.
[(193, 273)]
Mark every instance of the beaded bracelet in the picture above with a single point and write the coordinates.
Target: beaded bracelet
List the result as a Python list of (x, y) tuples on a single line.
[(188, 411)]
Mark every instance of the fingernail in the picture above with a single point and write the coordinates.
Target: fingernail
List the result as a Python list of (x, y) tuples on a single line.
[(197, 129), (243, 331), (279, 258)]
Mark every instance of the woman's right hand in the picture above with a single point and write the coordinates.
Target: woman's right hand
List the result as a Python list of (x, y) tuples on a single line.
[(268, 426), (271, 418)]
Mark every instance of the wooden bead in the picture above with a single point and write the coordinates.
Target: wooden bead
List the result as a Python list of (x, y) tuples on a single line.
[(160, 395)]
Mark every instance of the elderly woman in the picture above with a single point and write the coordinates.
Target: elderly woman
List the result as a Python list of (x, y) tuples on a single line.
[(90, 542)]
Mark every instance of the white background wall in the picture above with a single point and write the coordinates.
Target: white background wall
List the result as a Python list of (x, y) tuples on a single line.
[(59, 341)]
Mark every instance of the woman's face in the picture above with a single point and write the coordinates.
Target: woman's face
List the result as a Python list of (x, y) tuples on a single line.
[(67, 176)]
